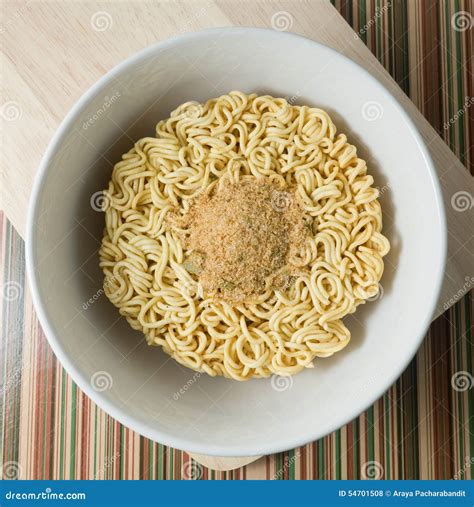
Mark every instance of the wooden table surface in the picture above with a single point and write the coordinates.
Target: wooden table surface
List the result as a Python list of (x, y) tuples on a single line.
[(53, 51)]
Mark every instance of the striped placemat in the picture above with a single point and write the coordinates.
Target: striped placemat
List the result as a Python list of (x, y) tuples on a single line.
[(423, 427)]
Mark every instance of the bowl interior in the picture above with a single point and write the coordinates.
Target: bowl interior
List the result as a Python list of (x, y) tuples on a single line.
[(142, 386)]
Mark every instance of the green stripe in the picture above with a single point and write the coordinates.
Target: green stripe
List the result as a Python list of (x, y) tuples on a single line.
[(460, 123), (469, 355), (170, 457), (399, 444), (449, 84), (45, 401), (388, 450), (362, 21), (72, 466), (292, 467), (160, 461), (96, 443), (62, 439), (414, 442), (370, 434), (456, 311), (378, 34), (403, 80), (356, 448)]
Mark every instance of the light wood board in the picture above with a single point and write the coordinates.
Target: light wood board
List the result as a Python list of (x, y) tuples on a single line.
[(59, 49)]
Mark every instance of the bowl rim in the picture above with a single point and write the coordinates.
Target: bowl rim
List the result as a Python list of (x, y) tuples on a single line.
[(190, 445)]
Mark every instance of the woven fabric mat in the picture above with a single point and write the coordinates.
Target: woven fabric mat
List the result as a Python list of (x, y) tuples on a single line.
[(422, 428)]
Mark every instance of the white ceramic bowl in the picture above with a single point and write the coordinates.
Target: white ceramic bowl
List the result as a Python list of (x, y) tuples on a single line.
[(141, 386)]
